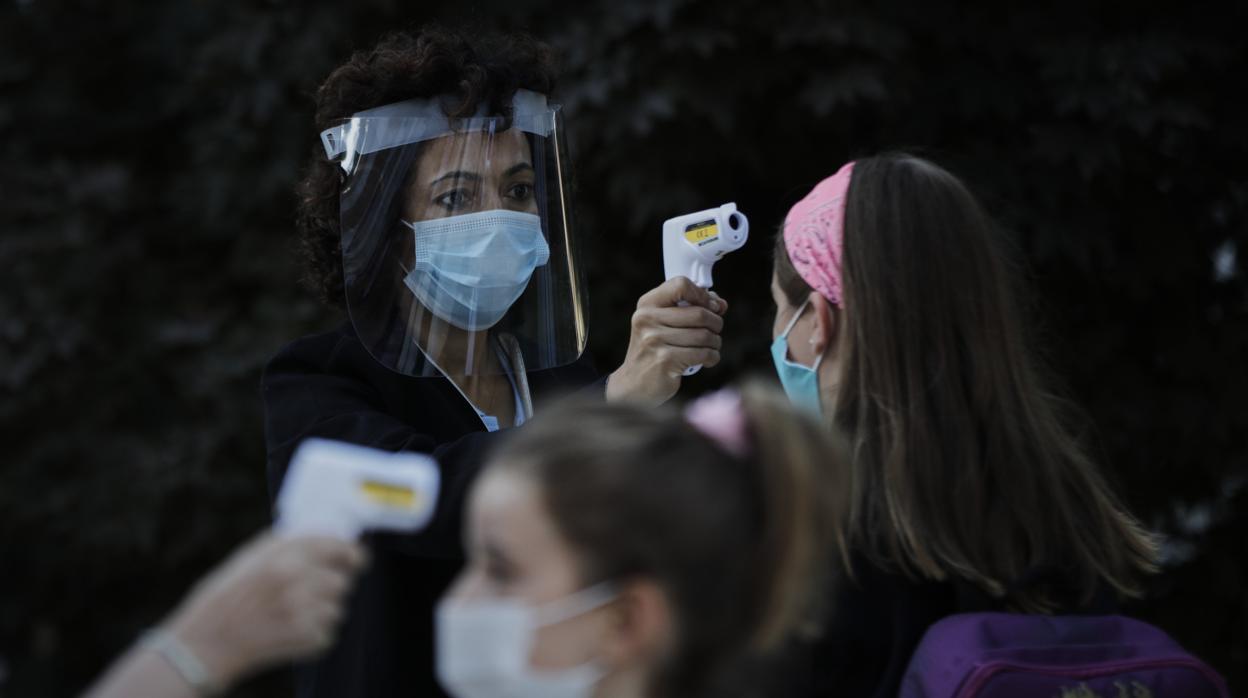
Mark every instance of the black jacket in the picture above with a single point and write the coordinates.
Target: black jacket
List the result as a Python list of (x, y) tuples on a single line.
[(328, 385), (873, 628)]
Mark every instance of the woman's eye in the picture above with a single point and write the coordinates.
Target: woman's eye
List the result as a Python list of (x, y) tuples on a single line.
[(452, 200), (521, 192)]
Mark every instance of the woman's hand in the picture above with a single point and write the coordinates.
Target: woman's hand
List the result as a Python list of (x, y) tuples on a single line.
[(277, 598), (666, 339)]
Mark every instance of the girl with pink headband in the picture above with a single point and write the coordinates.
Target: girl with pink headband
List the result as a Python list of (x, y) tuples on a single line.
[(896, 319)]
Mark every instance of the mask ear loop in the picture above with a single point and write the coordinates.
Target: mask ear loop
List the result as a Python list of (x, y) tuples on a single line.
[(471, 349), (793, 321), (576, 603), (789, 328)]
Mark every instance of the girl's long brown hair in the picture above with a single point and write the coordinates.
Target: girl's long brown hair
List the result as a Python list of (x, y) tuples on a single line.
[(963, 465)]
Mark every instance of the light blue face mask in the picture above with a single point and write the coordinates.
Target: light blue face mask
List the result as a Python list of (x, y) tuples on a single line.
[(470, 269), (801, 383)]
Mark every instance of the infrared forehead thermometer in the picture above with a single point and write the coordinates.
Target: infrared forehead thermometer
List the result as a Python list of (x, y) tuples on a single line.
[(692, 243), (339, 489)]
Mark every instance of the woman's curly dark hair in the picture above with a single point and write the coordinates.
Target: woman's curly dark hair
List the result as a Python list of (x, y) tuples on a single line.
[(435, 61)]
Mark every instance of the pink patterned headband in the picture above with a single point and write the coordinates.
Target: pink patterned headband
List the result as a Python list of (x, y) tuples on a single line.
[(814, 234), (721, 418)]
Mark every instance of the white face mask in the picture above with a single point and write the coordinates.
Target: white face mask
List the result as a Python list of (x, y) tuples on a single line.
[(484, 647)]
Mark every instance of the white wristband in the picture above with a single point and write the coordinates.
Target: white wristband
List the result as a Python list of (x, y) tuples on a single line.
[(182, 660)]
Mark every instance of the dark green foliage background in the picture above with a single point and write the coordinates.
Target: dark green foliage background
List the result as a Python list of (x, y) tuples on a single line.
[(150, 149)]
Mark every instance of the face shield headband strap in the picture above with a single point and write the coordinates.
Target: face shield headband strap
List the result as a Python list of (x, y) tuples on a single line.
[(416, 120)]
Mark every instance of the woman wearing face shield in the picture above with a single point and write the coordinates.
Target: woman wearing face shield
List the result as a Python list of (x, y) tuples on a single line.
[(436, 214)]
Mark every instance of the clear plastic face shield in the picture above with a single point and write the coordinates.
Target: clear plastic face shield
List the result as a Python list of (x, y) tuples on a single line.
[(457, 250)]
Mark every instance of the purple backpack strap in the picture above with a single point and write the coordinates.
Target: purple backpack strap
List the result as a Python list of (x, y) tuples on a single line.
[(985, 655)]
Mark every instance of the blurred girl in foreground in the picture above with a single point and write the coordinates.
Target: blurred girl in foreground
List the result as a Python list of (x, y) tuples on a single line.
[(623, 551)]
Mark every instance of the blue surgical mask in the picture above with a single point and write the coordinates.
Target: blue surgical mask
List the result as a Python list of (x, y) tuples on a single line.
[(470, 269), (801, 383)]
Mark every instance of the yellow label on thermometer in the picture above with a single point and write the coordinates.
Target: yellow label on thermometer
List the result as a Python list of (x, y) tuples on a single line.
[(389, 495), (702, 233)]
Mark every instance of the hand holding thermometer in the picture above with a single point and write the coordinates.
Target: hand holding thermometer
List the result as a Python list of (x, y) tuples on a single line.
[(692, 243), (339, 489)]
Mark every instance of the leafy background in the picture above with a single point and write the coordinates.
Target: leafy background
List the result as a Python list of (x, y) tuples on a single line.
[(150, 151)]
